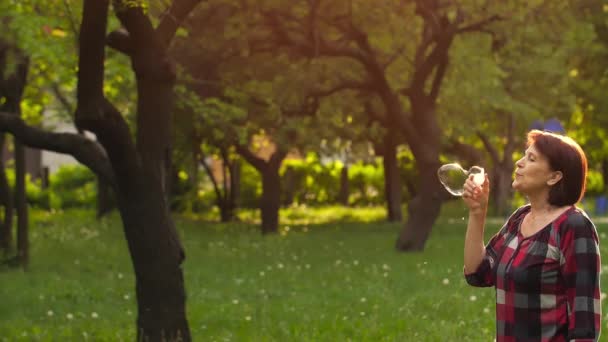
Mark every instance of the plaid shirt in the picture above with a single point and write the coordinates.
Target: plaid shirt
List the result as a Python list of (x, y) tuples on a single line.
[(547, 284)]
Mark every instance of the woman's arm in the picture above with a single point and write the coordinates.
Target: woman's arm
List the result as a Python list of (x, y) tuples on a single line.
[(476, 198), (581, 273)]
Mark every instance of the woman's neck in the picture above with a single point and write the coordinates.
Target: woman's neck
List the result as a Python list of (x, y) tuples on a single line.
[(539, 204)]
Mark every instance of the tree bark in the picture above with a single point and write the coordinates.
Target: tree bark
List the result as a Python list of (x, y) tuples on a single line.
[(235, 184), (344, 194), (503, 193), (271, 200), (289, 186), (140, 167), (423, 210), (12, 91), (392, 181), (105, 198)]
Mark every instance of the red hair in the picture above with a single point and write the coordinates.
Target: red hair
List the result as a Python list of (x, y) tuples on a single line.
[(566, 156)]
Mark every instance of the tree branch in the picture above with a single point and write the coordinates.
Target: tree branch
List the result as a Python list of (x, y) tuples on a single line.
[(478, 26), (86, 151), (343, 85), (172, 19), (438, 79), (489, 147), (201, 160), (255, 161)]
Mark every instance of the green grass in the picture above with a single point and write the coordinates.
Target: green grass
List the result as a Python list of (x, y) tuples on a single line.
[(313, 282)]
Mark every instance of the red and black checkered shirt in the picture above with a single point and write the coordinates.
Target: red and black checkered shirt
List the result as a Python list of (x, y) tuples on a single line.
[(547, 284)]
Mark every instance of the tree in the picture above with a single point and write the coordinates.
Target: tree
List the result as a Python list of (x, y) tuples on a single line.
[(364, 33), (135, 167), (11, 93)]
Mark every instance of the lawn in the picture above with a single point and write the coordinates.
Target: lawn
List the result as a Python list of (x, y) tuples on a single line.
[(324, 278)]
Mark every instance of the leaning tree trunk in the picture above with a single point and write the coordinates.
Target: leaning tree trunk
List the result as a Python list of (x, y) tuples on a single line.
[(140, 166), (6, 226), (392, 181), (271, 200), (157, 256)]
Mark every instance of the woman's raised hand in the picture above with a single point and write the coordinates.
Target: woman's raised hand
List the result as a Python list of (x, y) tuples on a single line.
[(475, 196)]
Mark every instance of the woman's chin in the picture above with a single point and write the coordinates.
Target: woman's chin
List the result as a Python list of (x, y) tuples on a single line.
[(515, 185)]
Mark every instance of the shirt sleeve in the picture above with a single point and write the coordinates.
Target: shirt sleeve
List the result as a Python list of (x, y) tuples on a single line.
[(580, 266), (484, 276)]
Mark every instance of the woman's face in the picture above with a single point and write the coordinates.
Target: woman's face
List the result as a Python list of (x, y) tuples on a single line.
[(533, 173)]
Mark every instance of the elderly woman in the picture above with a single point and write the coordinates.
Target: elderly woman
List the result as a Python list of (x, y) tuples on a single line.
[(545, 261)]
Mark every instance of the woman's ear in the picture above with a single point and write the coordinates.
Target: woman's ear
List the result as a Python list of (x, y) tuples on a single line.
[(556, 176)]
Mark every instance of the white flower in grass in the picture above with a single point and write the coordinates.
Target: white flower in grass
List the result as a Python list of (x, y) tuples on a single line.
[(307, 266), (386, 267), (473, 298), (486, 310), (119, 275), (363, 299), (446, 281), (69, 316), (603, 295), (129, 312), (356, 262), (94, 315), (385, 274), (362, 313), (262, 273), (248, 318), (279, 265), (126, 297), (50, 313), (235, 301)]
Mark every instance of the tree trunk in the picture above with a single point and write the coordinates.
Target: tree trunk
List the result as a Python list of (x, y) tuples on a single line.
[(423, 210), (235, 184), (502, 188), (344, 186), (289, 187), (271, 200), (392, 181), (6, 226), (105, 198), (157, 256), (23, 254)]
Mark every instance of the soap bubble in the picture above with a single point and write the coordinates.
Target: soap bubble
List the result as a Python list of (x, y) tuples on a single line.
[(453, 177)]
